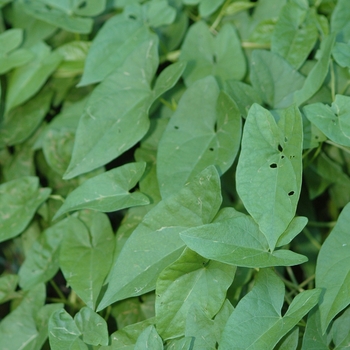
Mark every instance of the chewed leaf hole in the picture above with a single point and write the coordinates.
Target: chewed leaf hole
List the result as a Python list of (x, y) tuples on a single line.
[(211, 149), (273, 165), (132, 16), (291, 157), (280, 148), (282, 157), (176, 127), (291, 193)]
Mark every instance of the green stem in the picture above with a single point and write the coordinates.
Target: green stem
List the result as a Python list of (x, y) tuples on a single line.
[(313, 241), (219, 16), (58, 291), (251, 45), (343, 148), (331, 67), (330, 224)]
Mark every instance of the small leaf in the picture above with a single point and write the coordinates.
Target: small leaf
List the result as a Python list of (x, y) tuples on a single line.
[(341, 54), (293, 229), (155, 243), (159, 13), (210, 137), (237, 241), (149, 340), (108, 191), (269, 169), (193, 279), (19, 200), (333, 121), (91, 245), (92, 326), (257, 323), (334, 256)]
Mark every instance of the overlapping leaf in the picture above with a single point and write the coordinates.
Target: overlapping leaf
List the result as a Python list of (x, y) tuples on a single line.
[(193, 279), (119, 103), (210, 137), (269, 169), (156, 243), (257, 323), (221, 57), (237, 241), (334, 120), (108, 191)]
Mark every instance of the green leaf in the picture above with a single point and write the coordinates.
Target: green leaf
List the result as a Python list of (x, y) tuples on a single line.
[(293, 229), (8, 285), (243, 94), (96, 143), (108, 191), (295, 34), (64, 333), (257, 323), (91, 245), (237, 241), (25, 81), (22, 121), (92, 326), (19, 200), (114, 42), (206, 7), (341, 54), (269, 168), (221, 57), (159, 13), (334, 120), (60, 16), (314, 338), (341, 336), (210, 137), (193, 279), (340, 18), (18, 329), (274, 78), (317, 75), (149, 339), (156, 240), (41, 262), (334, 256), (289, 341), (201, 327)]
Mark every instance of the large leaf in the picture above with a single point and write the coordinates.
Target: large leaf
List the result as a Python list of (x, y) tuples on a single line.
[(92, 245), (18, 329), (108, 191), (119, 103), (257, 323), (19, 200), (25, 81), (156, 243), (210, 137), (41, 262), (114, 42), (193, 279), (334, 256), (237, 241), (221, 57), (269, 168), (333, 121), (295, 34)]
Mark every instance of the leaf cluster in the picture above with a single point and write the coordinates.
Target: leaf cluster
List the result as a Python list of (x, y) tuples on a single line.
[(174, 174)]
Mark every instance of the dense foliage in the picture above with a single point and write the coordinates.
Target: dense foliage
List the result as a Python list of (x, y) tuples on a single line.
[(175, 174)]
